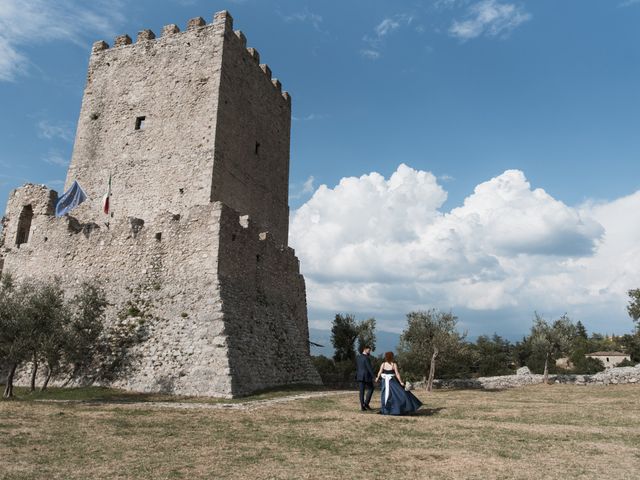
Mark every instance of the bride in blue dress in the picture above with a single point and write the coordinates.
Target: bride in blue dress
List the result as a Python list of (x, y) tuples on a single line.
[(394, 399)]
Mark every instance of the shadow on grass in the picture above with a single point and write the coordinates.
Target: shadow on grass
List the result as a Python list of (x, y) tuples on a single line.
[(422, 412), (88, 395), (428, 412), (102, 395)]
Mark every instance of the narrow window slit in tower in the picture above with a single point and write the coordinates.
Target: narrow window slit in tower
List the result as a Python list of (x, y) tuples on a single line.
[(24, 225), (140, 123), (159, 236), (257, 150)]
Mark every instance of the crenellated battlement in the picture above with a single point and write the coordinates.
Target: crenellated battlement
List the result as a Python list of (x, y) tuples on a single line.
[(122, 40), (145, 35), (170, 29), (241, 37), (220, 18)]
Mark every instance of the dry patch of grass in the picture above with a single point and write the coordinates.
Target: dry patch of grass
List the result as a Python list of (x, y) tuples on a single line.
[(551, 432)]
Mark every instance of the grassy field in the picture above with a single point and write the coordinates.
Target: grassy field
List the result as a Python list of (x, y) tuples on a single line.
[(538, 432)]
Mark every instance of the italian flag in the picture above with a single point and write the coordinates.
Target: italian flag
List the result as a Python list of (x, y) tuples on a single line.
[(106, 198)]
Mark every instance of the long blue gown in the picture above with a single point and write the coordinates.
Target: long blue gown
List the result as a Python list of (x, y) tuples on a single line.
[(398, 401)]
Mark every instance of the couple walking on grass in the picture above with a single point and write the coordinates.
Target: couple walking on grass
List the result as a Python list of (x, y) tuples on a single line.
[(394, 399)]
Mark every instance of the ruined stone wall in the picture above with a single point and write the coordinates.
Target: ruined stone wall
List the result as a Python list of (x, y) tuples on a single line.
[(165, 269), (251, 169), (41, 200), (221, 308)]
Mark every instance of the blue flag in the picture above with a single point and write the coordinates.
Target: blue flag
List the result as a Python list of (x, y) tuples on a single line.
[(71, 199)]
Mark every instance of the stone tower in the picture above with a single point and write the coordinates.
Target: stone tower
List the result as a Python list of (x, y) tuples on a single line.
[(194, 134)]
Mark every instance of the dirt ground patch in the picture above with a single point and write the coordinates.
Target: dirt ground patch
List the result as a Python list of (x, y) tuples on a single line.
[(550, 432)]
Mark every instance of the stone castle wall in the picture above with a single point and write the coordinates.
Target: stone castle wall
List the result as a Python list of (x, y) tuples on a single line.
[(252, 156), (223, 327), (172, 281), (215, 128), (264, 303), (166, 164)]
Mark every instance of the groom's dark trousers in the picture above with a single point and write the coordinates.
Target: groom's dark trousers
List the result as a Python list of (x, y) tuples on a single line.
[(364, 377)]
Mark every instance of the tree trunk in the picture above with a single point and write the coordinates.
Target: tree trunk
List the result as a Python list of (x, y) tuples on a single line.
[(46, 380), (432, 370), (8, 389), (71, 377), (546, 369), (34, 372)]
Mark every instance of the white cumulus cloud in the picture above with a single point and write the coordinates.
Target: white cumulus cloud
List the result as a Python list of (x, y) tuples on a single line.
[(31, 22), (373, 244), (305, 189), (510, 219), (491, 18)]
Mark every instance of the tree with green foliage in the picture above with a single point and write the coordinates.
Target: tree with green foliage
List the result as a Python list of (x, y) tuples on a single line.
[(344, 333), (367, 334), (429, 334), (14, 348), (494, 356), (44, 319), (631, 345), (634, 305), (522, 352), (38, 325), (552, 341), (600, 342), (581, 331), (578, 350), (84, 340), (343, 337), (53, 348)]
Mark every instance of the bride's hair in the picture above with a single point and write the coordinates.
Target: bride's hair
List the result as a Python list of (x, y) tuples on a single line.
[(388, 357)]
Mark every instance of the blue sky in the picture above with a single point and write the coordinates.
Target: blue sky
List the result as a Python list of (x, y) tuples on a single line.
[(474, 155)]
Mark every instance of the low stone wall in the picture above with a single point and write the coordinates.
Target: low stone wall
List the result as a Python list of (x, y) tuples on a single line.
[(612, 376)]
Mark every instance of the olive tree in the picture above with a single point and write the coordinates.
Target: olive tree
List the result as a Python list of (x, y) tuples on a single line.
[(84, 342), (44, 319), (552, 341), (429, 334), (13, 347), (38, 325)]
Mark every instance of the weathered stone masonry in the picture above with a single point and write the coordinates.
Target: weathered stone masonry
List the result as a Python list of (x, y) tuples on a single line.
[(195, 134)]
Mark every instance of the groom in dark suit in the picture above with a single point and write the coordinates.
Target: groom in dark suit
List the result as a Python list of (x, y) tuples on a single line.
[(364, 377)]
